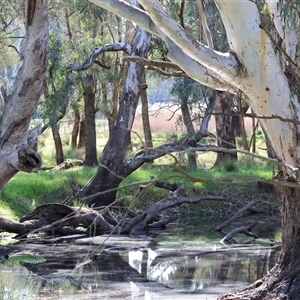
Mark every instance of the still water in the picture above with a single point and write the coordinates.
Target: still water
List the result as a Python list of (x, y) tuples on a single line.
[(160, 265)]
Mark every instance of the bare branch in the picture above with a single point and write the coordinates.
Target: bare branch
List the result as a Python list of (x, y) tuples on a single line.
[(157, 66), (216, 61), (141, 221), (95, 53), (240, 212), (205, 27), (226, 150), (244, 229)]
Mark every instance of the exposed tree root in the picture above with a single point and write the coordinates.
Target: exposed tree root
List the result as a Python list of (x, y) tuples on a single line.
[(277, 285)]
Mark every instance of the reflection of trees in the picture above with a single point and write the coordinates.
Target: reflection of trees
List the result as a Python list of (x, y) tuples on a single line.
[(88, 269), (211, 268)]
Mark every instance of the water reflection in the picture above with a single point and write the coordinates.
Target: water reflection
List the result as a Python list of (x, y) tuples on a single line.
[(127, 268), (197, 272)]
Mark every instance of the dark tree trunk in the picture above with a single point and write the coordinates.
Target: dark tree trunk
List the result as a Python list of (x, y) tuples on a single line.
[(242, 109), (224, 126), (59, 153), (270, 150), (252, 143), (283, 281), (90, 125), (75, 130), (145, 115), (129, 143), (110, 171), (81, 141)]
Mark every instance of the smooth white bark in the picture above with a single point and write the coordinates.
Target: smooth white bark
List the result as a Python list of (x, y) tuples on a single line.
[(194, 69), (252, 66), (223, 64), (265, 83)]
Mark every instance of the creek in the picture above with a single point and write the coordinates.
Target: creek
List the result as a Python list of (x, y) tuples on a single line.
[(185, 261)]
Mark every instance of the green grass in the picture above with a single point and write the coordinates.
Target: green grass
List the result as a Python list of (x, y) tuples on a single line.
[(195, 180), (25, 191)]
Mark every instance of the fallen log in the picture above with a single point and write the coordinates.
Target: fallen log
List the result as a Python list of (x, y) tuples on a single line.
[(57, 219), (244, 229), (63, 220), (239, 213), (142, 220)]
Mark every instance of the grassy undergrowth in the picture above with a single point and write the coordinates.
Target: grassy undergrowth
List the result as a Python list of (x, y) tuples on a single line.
[(26, 191)]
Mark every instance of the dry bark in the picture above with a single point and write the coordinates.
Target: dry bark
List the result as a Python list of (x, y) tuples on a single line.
[(15, 154)]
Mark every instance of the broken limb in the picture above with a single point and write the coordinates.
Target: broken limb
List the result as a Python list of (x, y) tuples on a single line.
[(239, 213)]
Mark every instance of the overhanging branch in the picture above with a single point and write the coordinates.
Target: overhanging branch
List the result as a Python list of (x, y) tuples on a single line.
[(175, 53), (158, 66)]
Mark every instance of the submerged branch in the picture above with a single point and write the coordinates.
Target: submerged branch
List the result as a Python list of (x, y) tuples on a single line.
[(244, 229)]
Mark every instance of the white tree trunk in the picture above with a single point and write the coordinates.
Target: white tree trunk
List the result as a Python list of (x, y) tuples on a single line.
[(263, 82), (251, 66), (267, 74), (14, 123)]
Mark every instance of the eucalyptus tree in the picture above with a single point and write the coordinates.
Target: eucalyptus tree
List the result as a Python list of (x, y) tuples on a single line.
[(262, 64), (21, 102), (204, 23), (54, 106), (12, 35), (76, 27)]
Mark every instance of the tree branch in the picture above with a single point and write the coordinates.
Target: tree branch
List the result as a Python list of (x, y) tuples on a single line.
[(141, 221), (95, 53), (221, 63), (244, 229), (157, 66), (204, 23), (240, 212), (175, 53)]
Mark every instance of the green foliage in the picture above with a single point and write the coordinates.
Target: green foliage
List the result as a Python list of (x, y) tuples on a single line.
[(23, 257), (245, 170), (289, 10), (11, 32)]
